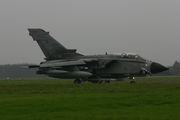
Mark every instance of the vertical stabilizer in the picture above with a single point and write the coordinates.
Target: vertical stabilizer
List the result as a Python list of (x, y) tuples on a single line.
[(52, 49)]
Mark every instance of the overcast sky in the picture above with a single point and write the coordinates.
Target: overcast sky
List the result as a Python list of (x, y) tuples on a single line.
[(150, 28)]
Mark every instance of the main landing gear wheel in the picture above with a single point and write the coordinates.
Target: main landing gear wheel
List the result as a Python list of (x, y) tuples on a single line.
[(108, 81), (77, 81)]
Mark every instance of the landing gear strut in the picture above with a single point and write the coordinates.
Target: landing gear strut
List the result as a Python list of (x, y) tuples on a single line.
[(77, 81)]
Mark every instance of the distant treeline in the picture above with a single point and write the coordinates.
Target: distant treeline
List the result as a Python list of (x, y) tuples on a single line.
[(15, 71)]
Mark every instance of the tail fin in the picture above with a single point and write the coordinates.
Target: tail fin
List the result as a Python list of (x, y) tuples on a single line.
[(52, 49)]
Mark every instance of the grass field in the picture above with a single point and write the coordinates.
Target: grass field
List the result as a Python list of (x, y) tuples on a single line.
[(154, 98)]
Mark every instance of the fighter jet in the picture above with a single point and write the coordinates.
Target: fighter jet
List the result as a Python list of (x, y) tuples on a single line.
[(61, 62)]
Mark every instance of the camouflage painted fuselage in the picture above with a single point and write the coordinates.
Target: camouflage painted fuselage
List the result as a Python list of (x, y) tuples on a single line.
[(66, 63)]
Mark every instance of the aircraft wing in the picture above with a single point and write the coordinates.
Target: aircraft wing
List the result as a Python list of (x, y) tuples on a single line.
[(64, 63), (67, 63), (59, 64)]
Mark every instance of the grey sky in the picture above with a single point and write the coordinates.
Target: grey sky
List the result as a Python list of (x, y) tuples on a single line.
[(150, 28)]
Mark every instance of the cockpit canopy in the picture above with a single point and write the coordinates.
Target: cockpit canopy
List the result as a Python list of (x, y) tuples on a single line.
[(129, 56)]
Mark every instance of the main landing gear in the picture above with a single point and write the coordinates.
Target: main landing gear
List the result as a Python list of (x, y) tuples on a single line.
[(77, 81), (132, 78), (107, 81)]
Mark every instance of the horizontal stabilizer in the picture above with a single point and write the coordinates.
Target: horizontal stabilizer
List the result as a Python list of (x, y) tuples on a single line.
[(30, 66)]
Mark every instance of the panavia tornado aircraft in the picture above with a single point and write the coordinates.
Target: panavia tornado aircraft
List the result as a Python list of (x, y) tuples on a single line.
[(66, 63)]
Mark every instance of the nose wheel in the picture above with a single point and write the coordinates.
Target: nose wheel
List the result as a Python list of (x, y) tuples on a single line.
[(132, 82), (132, 78)]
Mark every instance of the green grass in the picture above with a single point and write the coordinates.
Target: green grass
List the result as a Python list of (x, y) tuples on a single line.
[(154, 98)]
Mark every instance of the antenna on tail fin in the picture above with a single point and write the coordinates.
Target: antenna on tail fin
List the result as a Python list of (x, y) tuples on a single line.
[(51, 48)]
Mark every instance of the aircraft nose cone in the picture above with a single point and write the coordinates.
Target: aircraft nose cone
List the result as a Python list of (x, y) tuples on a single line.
[(157, 68)]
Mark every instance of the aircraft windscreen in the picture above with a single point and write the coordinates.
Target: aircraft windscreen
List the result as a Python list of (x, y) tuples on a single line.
[(130, 56), (138, 57)]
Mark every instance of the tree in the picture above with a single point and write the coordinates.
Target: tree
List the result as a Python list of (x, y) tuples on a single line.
[(176, 68)]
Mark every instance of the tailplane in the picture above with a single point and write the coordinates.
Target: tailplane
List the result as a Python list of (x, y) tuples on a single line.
[(52, 49)]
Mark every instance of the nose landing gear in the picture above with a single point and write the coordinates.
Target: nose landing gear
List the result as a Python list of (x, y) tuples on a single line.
[(132, 78)]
